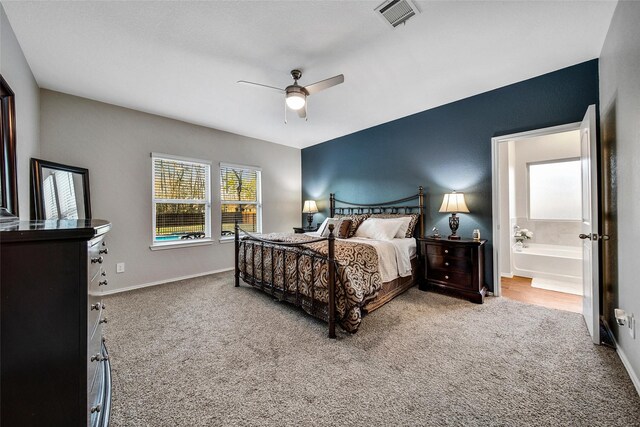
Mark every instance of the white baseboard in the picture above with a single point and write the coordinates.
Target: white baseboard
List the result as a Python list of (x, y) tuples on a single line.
[(160, 282), (634, 378), (507, 275)]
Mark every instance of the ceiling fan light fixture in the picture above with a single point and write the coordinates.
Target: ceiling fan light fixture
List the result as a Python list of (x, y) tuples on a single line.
[(295, 100)]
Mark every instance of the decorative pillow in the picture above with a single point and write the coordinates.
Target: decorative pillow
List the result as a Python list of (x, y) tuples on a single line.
[(379, 228), (356, 220), (343, 228), (330, 221), (412, 223), (322, 226)]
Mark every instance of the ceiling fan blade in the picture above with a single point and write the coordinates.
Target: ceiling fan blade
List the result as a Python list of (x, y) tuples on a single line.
[(302, 113), (324, 84), (261, 85)]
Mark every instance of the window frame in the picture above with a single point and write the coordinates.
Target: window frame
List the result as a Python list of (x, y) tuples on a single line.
[(546, 162), (258, 201), (207, 240)]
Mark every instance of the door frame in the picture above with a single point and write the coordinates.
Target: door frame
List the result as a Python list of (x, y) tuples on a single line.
[(495, 188)]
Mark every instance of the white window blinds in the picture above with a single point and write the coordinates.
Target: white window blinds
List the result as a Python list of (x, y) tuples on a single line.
[(181, 198), (240, 198)]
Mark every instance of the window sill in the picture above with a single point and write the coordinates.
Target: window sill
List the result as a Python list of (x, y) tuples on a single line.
[(176, 245), (229, 239)]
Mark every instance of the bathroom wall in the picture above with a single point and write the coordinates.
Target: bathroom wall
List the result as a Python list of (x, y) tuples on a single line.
[(538, 149)]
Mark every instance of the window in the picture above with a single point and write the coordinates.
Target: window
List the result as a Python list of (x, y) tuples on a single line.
[(240, 198), (181, 199), (555, 190)]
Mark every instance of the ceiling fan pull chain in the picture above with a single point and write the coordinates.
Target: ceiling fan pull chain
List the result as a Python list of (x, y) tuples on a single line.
[(285, 112)]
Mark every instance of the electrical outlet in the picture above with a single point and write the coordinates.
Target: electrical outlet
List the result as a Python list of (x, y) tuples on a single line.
[(120, 267), (632, 326)]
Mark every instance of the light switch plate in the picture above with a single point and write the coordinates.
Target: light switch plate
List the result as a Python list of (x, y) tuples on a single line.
[(120, 267)]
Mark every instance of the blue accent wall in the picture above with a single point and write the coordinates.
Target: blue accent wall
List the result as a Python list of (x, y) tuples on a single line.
[(445, 148)]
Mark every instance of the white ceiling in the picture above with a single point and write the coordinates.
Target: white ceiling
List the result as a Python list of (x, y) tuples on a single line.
[(182, 59)]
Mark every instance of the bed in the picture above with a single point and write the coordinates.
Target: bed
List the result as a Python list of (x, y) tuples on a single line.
[(338, 279)]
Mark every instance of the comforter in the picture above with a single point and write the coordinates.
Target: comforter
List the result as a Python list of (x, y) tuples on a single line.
[(300, 274)]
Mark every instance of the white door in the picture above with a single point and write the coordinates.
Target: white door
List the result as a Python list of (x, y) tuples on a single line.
[(589, 235)]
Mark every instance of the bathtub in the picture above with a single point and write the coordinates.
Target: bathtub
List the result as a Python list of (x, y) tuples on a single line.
[(552, 267)]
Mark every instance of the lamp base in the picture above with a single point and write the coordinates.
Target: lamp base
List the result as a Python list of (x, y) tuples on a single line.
[(454, 222)]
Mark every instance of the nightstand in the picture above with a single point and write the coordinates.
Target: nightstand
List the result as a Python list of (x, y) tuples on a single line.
[(301, 230), (454, 265)]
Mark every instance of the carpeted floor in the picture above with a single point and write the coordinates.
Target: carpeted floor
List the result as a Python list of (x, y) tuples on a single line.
[(200, 352)]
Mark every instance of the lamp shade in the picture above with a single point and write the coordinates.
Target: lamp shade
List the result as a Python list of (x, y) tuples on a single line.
[(295, 100), (454, 203), (310, 207)]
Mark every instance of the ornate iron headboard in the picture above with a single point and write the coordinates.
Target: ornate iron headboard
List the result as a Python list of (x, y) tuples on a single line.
[(392, 207)]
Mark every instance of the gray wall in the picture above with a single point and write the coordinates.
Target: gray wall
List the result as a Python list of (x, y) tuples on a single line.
[(619, 112), (15, 70), (115, 143)]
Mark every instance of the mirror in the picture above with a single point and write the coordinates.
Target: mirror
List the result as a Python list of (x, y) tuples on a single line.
[(59, 191), (8, 180)]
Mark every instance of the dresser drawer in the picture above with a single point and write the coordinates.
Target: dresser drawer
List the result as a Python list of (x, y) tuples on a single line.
[(99, 281), (94, 356), (94, 314), (95, 258), (96, 397)]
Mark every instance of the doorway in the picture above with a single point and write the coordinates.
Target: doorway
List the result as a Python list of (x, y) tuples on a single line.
[(537, 178)]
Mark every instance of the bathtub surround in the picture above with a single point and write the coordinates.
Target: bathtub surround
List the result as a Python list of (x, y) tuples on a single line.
[(445, 147), (549, 232)]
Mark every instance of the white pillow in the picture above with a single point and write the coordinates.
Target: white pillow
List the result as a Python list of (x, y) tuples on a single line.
[(322, 226), (402, 231), (335, 222), (379, 228)]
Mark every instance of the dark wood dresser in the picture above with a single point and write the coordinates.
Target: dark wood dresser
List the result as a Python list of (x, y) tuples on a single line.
[(53, 359), (454, 265)]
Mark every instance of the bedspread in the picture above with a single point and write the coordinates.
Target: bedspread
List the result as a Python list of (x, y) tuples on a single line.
[(289, 273)]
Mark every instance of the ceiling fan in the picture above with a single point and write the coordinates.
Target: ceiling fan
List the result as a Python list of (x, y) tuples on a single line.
[(296, 95)]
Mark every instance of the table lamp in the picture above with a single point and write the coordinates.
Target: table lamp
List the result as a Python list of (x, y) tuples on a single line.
[(454, 203), (310, 208)]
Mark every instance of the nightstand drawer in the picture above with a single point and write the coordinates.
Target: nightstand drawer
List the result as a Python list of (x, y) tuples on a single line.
[(454, 251), (451, 278), (449, 263)]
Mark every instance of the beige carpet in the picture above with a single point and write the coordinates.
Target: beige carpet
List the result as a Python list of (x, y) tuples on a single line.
[(201, 352)]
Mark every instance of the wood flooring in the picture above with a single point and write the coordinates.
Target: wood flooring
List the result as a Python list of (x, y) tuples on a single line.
[(520, 289)]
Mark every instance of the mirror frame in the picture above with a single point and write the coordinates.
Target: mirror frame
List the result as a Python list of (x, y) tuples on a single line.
[(37, 196), (8, 171)]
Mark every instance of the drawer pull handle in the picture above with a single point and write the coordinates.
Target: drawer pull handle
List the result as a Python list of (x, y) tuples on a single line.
[(96, 306), (99, 358), (99, 260), (446, 277), (446, 251), (103, 283), (104, 251), (104, 273), (95, 409), (103, 320)]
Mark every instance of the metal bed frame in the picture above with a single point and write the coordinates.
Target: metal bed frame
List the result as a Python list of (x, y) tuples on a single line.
[(250, 243)]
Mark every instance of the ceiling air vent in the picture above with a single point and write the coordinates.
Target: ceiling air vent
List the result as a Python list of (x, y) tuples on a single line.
[(396, 12)]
